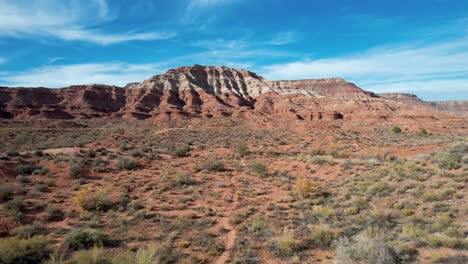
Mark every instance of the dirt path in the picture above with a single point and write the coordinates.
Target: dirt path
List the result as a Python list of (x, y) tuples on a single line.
[(230, 237), (231, 210)]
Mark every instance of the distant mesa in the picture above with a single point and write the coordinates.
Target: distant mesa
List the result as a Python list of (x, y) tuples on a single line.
[(217, 91)]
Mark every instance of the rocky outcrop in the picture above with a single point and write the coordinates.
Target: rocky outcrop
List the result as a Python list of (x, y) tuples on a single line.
[(209, 91), (460, 107), (456, 107)]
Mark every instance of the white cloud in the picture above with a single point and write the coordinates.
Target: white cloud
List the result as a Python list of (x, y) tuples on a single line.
[(94, 73), (406, 68), (67, 20), (283, 38), (78, 34)]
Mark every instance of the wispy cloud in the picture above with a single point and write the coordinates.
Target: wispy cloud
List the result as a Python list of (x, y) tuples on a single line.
[(405, 68), (2, 60), (220, 44), (283, 38), (67, 20), (198, 8), (93, 73)]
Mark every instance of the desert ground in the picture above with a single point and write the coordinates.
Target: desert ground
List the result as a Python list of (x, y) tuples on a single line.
[(227, 190)]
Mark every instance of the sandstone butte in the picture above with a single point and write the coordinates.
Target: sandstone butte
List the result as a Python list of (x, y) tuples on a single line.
[(212, 91)]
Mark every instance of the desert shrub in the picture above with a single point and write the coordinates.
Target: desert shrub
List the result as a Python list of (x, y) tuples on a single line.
[(454, 259), (214, 165), (146, 255), (285, 244), (26, 231), (323, 212), (241, 149), (53, 213), (365, 249), (258, 225), (415, 233), (465, 159), (98, 165), (89, 200), (182, 151), (258, 167), (125, 257), (422, 131), (442, 240), (15, 206), (380, 189), (449, 161), (452, 157), (91, 256), (90, 153), (396, 129), (5, 191), (26, 169), (136, 205), (76, 168), (126, 164), (304, 187), (183, 180), (24, 251), (322, 236), (136, 153), (41, 187), (346, 165), (84, 239)]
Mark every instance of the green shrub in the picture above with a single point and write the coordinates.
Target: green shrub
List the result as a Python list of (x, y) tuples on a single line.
[(396, 130), (98, 165), (15, 206), (53, 213), (24, 251), (76, 168), (214, 165), (84, 239), (26, 169), (259, 167), (126, 164), (5, 191)]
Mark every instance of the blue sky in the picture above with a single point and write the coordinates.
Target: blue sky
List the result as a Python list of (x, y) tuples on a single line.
[(418, 46)]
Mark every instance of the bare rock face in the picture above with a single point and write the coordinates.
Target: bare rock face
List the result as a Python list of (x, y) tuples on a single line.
[(209, 91)]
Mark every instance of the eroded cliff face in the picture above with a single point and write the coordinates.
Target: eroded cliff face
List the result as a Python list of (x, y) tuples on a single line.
[(70, 102), (209, 91)]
